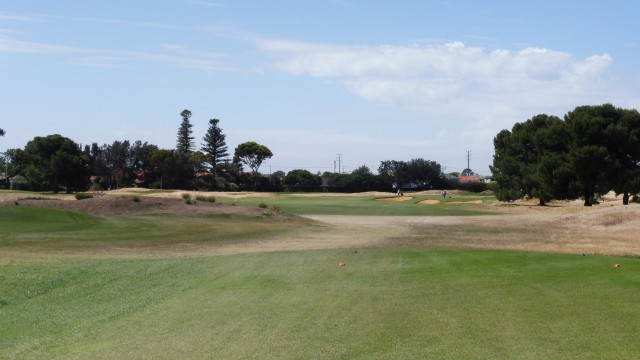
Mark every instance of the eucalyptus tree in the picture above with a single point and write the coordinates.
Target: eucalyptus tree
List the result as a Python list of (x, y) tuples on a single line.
[(252, 154)]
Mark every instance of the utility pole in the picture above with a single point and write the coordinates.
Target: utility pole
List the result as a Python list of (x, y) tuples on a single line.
[(339, 164), (468, 157)]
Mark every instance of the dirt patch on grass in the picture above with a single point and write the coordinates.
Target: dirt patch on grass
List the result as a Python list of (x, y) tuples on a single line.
[(125, 205), (396, 198), (563, 227), (429, 202)]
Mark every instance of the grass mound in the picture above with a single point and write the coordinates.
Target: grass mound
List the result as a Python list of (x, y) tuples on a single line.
[(29, 219), (30, 229)]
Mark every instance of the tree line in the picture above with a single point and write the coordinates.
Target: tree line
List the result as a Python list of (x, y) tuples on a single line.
[(57, 163), (593, 150)]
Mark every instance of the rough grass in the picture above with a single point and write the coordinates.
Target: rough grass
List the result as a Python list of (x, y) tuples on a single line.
[(385, 304), (30, 230)]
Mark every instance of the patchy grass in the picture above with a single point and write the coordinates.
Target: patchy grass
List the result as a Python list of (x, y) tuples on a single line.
[(30, 229), (66, 291)]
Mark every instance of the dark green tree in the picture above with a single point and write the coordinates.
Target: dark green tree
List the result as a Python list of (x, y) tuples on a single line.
[(530, 161), (119, 163), (214, 146), (590, 152), (506, 167), (165, 164), (141, 167), (302, 180), (185, 144), (252, 154), (622, 136), (55, 161), (2, 132), (394, 172), (184, 173), (426, 174), (467, 172), (361, 179), (553, 176)]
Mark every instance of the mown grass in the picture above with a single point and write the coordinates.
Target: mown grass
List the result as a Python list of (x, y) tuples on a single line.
[(385, 304), (345, 205)]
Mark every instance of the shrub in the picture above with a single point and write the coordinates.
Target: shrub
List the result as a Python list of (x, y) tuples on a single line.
[(263, 206), (232, 187), (206, 198), (155, 185), (187, 199), (276, 209), (82, 196), (136, 198), (19, 182)]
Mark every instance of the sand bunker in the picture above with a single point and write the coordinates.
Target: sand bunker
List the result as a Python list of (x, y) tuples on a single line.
[(397, 198), (429, 202)]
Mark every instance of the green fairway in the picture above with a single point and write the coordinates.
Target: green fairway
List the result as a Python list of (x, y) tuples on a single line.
[(81, 286), (385, 304), (302, 204)]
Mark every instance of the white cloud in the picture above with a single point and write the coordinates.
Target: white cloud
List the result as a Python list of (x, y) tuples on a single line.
[(9, 44), (172, 54), (450, 95), (443, 73)]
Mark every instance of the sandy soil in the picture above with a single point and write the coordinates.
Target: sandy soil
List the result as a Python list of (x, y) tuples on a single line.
[(397, 198), (124, 205), (565, 227)]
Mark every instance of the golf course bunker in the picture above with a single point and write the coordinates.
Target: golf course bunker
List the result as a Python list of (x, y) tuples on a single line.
[(429, 202), (397, 198)]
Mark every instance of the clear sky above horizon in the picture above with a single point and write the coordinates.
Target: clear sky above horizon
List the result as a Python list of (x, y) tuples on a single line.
[(370, 80)]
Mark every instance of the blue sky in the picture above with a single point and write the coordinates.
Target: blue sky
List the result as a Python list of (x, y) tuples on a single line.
[(370, 80)]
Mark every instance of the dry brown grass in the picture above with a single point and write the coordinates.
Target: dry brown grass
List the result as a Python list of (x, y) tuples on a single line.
[(564, 227)]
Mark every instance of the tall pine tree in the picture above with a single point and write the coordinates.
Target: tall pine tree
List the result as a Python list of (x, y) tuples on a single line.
[(185, 142), (214, 146)]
